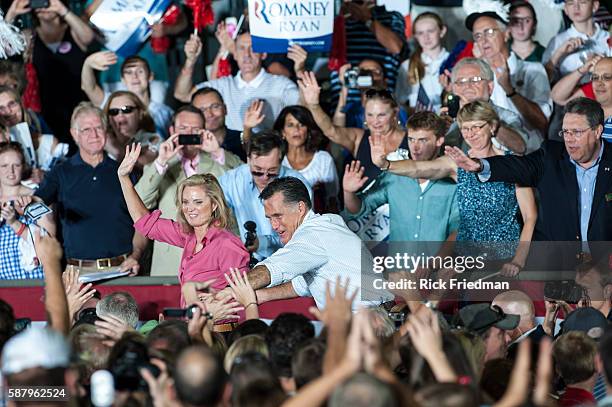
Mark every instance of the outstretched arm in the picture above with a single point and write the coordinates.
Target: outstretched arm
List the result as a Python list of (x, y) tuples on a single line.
[(100, 61), (135, 205)]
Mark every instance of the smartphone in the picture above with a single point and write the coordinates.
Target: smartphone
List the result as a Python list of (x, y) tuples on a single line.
[(452, 102), (189, 139), (34, 4), (21, 324), (231, 24)]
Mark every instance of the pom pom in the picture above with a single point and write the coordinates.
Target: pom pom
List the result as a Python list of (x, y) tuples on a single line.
[(12, 41), (481, 6)]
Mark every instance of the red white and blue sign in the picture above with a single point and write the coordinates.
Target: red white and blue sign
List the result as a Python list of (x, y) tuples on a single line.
[(126, 23), (276, 24)]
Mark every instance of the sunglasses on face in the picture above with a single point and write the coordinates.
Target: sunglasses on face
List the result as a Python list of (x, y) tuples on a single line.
[(262, 174), (124, 109), (381, 93)]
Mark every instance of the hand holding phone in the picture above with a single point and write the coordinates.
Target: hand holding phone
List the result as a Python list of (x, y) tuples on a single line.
[(189, 139)]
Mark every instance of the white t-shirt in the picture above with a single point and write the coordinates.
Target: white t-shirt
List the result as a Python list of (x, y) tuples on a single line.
[(406, 92), (597, 44), (321, 169)]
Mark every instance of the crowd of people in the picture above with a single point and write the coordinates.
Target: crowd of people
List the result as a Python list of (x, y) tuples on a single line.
[(247, 187)]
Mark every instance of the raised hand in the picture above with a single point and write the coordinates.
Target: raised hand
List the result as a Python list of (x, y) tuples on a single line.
[(168, 149), (17, 8), (353, 178), (102, 60), (298, 55), (309, 87), (192, 289), (461, 159), (342, 72), (241, 288), (8, 213), (569, 46), (589, 64), (210, 143), (112, 328), (132, 152), (197, 323), (425, 334), (48, 249), (226, 41), (221, 310), (445, 80), (254, 115), (193, 49), (337, 307), (58, 7), (377, 151), (76, 294)]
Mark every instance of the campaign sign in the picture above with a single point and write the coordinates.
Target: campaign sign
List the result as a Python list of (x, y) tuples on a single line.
[(125, 23), (277, 24)]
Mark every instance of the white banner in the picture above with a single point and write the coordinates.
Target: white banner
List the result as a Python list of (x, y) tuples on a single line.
[(125, 23), (276, 24)]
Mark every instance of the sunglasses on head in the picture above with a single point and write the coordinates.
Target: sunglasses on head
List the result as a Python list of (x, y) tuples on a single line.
[(124, 109), (381, 93)]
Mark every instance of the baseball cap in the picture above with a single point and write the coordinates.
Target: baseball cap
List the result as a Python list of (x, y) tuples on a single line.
[(35, 347), (471, 19), (480, 317), (587, 320)]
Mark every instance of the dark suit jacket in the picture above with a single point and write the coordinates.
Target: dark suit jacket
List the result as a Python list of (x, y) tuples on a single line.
[(550, 170)]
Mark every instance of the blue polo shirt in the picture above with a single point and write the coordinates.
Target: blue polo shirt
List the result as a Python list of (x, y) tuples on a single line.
[(90, 205)]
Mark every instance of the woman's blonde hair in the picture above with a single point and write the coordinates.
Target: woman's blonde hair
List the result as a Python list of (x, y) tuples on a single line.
[(246, 344), (478, 110), (221, 216)]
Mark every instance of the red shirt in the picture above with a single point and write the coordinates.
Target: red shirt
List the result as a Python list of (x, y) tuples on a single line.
[(222, 249), (574, 396)]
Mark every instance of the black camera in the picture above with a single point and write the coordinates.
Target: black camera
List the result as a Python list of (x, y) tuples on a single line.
[(189, 139), (452, 103), (126, 370), (34, 4), (180, 312), (564, 290), (358, 78)]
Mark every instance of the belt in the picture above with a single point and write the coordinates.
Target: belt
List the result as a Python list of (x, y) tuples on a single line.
[(224, 327), (105, 263)]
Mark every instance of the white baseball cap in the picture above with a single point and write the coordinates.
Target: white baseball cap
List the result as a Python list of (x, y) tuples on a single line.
[(35, 347)]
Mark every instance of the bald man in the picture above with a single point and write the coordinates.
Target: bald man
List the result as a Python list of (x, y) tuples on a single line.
[(200, 379), (517, 303)]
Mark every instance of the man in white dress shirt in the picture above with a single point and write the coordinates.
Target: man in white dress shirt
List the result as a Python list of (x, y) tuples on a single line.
[(318, 249)]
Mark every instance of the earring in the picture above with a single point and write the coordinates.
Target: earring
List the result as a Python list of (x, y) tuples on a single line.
[(365, 125)]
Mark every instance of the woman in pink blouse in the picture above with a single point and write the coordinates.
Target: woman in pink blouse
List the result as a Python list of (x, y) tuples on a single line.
[(209, 248)]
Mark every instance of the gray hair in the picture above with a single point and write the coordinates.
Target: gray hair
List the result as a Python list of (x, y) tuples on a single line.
[(485, 70), (121, 305), (87, 108), (363, 390)]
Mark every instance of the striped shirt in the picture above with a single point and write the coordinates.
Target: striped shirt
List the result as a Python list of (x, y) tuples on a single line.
[(10, 256), (361, 43), (322, 249), (277, 92)]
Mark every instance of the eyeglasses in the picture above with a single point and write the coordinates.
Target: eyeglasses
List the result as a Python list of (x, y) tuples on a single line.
[(91, 130), (264, 174), (468, 81), (604, 78), (9, 107), (474, 128), (574, 133), (214, 106), (381, 93), (123, 109), (489, 33)]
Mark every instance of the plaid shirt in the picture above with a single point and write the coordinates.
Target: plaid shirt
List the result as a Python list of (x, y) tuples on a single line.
[(10, 257)]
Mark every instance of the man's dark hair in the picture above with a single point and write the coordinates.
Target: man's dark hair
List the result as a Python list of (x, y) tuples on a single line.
[(264, 142), (207, 386), (7, 322), (294, 191), (307, 362), (132, 60), (427, 121), (172, 334), (205, 91), (589, 108), (248, 327), (190, 109), (284, 336), (574, 356), (605, 353)]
